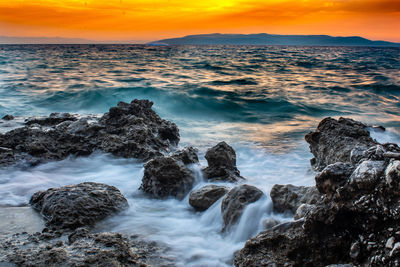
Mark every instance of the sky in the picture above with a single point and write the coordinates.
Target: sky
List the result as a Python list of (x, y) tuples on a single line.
[(149, 20)]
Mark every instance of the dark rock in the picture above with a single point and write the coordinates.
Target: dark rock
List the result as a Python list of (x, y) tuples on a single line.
[(357, 222), (334, 140), (128, 130), (169, 175), (222, 164), (289, 197), (332, 177), (8, 117), (202, 198), (100, 249), (303, 210), (237, 199), (186, 156), (73, 206)]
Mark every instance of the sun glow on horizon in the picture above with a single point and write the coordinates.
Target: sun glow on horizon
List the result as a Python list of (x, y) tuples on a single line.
[(151, 20)]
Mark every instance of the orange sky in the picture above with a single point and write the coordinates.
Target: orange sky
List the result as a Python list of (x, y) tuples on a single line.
[(142, 20)]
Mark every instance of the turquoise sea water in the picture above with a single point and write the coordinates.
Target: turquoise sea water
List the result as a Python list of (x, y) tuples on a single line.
[(261, 100)]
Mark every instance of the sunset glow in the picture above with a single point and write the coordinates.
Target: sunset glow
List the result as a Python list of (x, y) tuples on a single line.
[(141, 20)]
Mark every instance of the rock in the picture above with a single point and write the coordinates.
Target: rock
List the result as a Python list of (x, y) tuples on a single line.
[(186, 156), (366, 175), (392, 174), (269, 223), (395, 249), (390, 243), (332, 177), (237, 199), (202, 198), (8, 117), (130, 130), (289, 197), (73, 206), (222, 164), (334, 140), (357, 220), (303, 210), (100, 249), (393, 155), (169, 175), (355, 250)]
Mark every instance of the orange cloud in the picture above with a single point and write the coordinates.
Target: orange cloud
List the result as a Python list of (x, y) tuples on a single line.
[(143, 19)]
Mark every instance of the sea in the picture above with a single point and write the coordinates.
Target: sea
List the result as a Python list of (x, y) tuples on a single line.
[(261, 100)]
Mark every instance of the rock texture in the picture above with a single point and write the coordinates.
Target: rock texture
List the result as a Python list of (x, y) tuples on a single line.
[(80, 249), (131, 130), (222, 164), (202, 198), (73, 206), (237, 199), (166, 176), (289, 197), (358, 220), (334, 140)]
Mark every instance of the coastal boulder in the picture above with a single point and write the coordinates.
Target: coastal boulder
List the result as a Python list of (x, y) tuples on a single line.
[(367, 173), (221, 161), (289, 197), (130, 130), (73, 206), (80, 248), (334, 140), (237, 199), (202, 198), (166, 176)]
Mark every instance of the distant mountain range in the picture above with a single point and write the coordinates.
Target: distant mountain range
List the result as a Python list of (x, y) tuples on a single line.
[(218, 39), (273, 39)]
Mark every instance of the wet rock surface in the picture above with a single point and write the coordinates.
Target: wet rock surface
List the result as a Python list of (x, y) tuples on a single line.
[(202, 198), (222, 164), (166, 176), (334, 140), (289, 197), (73, 206), (131, 130), (235, 201), (80, 248), (358, 221)]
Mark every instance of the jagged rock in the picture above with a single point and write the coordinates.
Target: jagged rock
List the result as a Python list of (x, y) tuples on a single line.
[(236, 201), (358, 217), (392, 174), (131, 130), (332, 177), (366, 175), (334, 140), (303, 210), (8, 117), (222, 164), (169, 175), (88, 249), (289, 197), (202, 198), (73, 206)]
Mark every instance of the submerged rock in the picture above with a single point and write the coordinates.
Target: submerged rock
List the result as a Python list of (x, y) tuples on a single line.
[(85, 249), (202, 198), (334, 140), (237, 199), (169, 175), (222, 164), (73, 206), (289, 197), (131, 130)]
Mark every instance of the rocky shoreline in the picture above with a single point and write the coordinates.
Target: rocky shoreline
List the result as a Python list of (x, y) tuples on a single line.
[(351, 216)]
